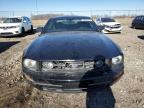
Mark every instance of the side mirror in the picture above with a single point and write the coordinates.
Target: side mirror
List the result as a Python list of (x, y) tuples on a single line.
[(100, 28), (39, 29)]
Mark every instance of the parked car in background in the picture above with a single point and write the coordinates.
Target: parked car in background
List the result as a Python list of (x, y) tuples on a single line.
[(15, 26), (138, 22), (71, 55), (109, 25)]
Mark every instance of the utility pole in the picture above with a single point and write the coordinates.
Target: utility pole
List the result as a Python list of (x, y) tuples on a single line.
[(36, 8)]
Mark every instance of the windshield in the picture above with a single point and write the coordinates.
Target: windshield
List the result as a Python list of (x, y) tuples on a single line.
[(58, 25), (12, 20), (107, 20)]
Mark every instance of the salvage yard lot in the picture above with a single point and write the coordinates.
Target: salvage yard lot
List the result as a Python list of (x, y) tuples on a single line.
[(126, 93)]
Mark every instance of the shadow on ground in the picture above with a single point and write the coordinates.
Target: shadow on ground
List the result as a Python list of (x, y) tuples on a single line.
[(6, 45), (100, 98), (141, 37)]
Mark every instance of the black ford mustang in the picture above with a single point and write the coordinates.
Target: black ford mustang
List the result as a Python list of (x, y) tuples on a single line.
[(71, 55)]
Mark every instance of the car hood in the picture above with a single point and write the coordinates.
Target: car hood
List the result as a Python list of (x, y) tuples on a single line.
[(71, 46), (110, 23), (9, 24)]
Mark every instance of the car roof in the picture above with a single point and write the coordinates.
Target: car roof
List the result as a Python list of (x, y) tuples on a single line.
[(107, 17), (17, 17), (140, 16), (71, 17)]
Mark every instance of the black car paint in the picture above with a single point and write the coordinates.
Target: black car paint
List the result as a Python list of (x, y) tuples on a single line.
[(72, 45), (72, 80), (138, 22)]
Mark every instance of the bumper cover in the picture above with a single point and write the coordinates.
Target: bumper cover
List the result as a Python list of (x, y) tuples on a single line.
[(74, 82), (112, 30), (9, 32)]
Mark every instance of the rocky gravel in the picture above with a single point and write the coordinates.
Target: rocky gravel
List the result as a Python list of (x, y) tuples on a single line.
[(128, 92)]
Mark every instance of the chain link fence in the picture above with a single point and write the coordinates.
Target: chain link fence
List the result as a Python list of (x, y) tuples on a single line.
[(86, 12), (44, 15)]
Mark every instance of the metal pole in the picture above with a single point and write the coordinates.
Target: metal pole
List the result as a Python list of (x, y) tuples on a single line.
[(91, 12), (36, 8), (13, 13)]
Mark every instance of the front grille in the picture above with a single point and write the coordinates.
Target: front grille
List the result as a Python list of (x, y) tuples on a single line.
[(68, 65), (8, 27), (116, 26), (6, 33)]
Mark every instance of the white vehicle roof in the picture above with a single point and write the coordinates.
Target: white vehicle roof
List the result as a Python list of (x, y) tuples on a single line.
[(18, 17)]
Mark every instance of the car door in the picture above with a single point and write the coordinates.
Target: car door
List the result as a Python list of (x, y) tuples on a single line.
[(29, 23), (142, 22), (25, 24)]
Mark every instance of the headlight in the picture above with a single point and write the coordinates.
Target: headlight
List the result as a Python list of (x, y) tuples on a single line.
[(107, 27), (30, 64), (15, 26), (117, 60), (47, 65), (99, 63)]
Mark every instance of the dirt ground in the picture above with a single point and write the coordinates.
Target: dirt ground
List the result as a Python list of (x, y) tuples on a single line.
[(128, 92)]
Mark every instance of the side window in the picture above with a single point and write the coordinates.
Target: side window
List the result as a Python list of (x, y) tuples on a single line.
[(49, 26), (143, 18), (24, 19), (98, 20), (28, 19), (139, 18)]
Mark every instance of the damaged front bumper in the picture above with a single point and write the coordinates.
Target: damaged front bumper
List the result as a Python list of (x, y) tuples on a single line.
[(70, 81)]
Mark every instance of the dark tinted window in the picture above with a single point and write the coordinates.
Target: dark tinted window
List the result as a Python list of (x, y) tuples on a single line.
[(98, 20), (142, 18), (25, 19), (57, 25), (139, 18), (28, 19), (12, 20), (107, 20)]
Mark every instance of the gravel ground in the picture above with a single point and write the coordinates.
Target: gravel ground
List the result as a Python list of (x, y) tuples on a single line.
[(128, 92)]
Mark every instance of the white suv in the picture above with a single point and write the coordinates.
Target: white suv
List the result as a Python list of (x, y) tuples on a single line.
[(109, 25), (15, 25)]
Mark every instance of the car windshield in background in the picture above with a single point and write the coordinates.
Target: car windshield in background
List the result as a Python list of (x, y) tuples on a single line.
[(13, 20), (107, 20), (58, 25)]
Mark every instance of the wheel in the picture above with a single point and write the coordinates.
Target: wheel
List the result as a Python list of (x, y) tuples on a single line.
[(133, 26), (120, 32), (31, 30), (23, 31)]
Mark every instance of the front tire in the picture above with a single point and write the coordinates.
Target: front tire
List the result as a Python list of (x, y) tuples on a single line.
[(23, 31), (31, 30), (133, 26)]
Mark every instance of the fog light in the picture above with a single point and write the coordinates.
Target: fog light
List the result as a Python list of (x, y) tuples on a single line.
[(16, 31), (47, 65), (99, 63), (50, 65)]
